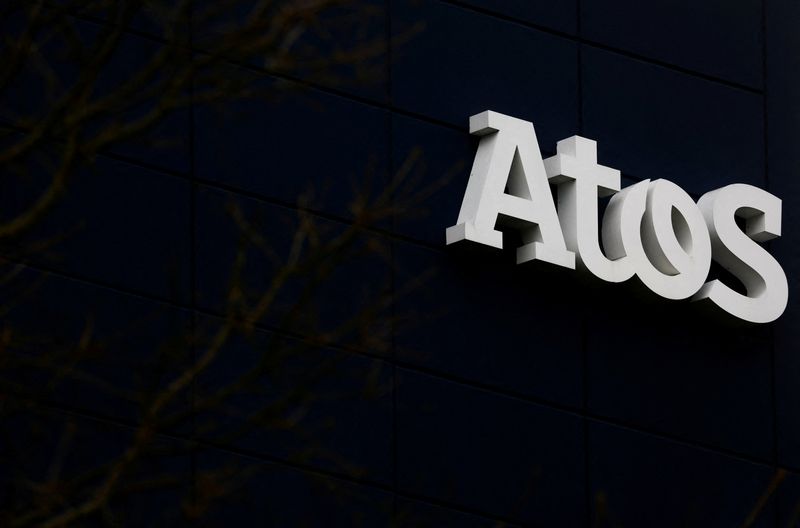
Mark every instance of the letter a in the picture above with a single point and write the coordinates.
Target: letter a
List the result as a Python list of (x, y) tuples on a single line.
[(508, 158)]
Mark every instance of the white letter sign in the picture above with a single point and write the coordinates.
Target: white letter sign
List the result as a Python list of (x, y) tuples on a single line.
[(652, 229), (736, 251), (509, 158), (580, 181)]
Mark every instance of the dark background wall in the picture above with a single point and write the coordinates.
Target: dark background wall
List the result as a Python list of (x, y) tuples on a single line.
[(519, 395)]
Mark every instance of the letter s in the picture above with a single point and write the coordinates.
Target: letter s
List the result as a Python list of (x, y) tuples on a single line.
[(738, 252)]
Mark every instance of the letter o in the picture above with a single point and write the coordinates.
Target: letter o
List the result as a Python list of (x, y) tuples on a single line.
[(663, 232)]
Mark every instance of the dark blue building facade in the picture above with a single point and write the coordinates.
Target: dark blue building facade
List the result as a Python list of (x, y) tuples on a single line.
[(469, 391)]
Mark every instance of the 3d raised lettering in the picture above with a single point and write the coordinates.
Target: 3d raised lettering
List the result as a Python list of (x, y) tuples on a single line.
[(737, 251), (652, 229), (508, 157)]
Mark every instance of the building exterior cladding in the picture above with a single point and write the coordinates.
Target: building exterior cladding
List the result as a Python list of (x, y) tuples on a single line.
[(517, 395)]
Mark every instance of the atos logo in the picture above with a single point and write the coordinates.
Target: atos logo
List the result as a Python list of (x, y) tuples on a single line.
[(652, 229)]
